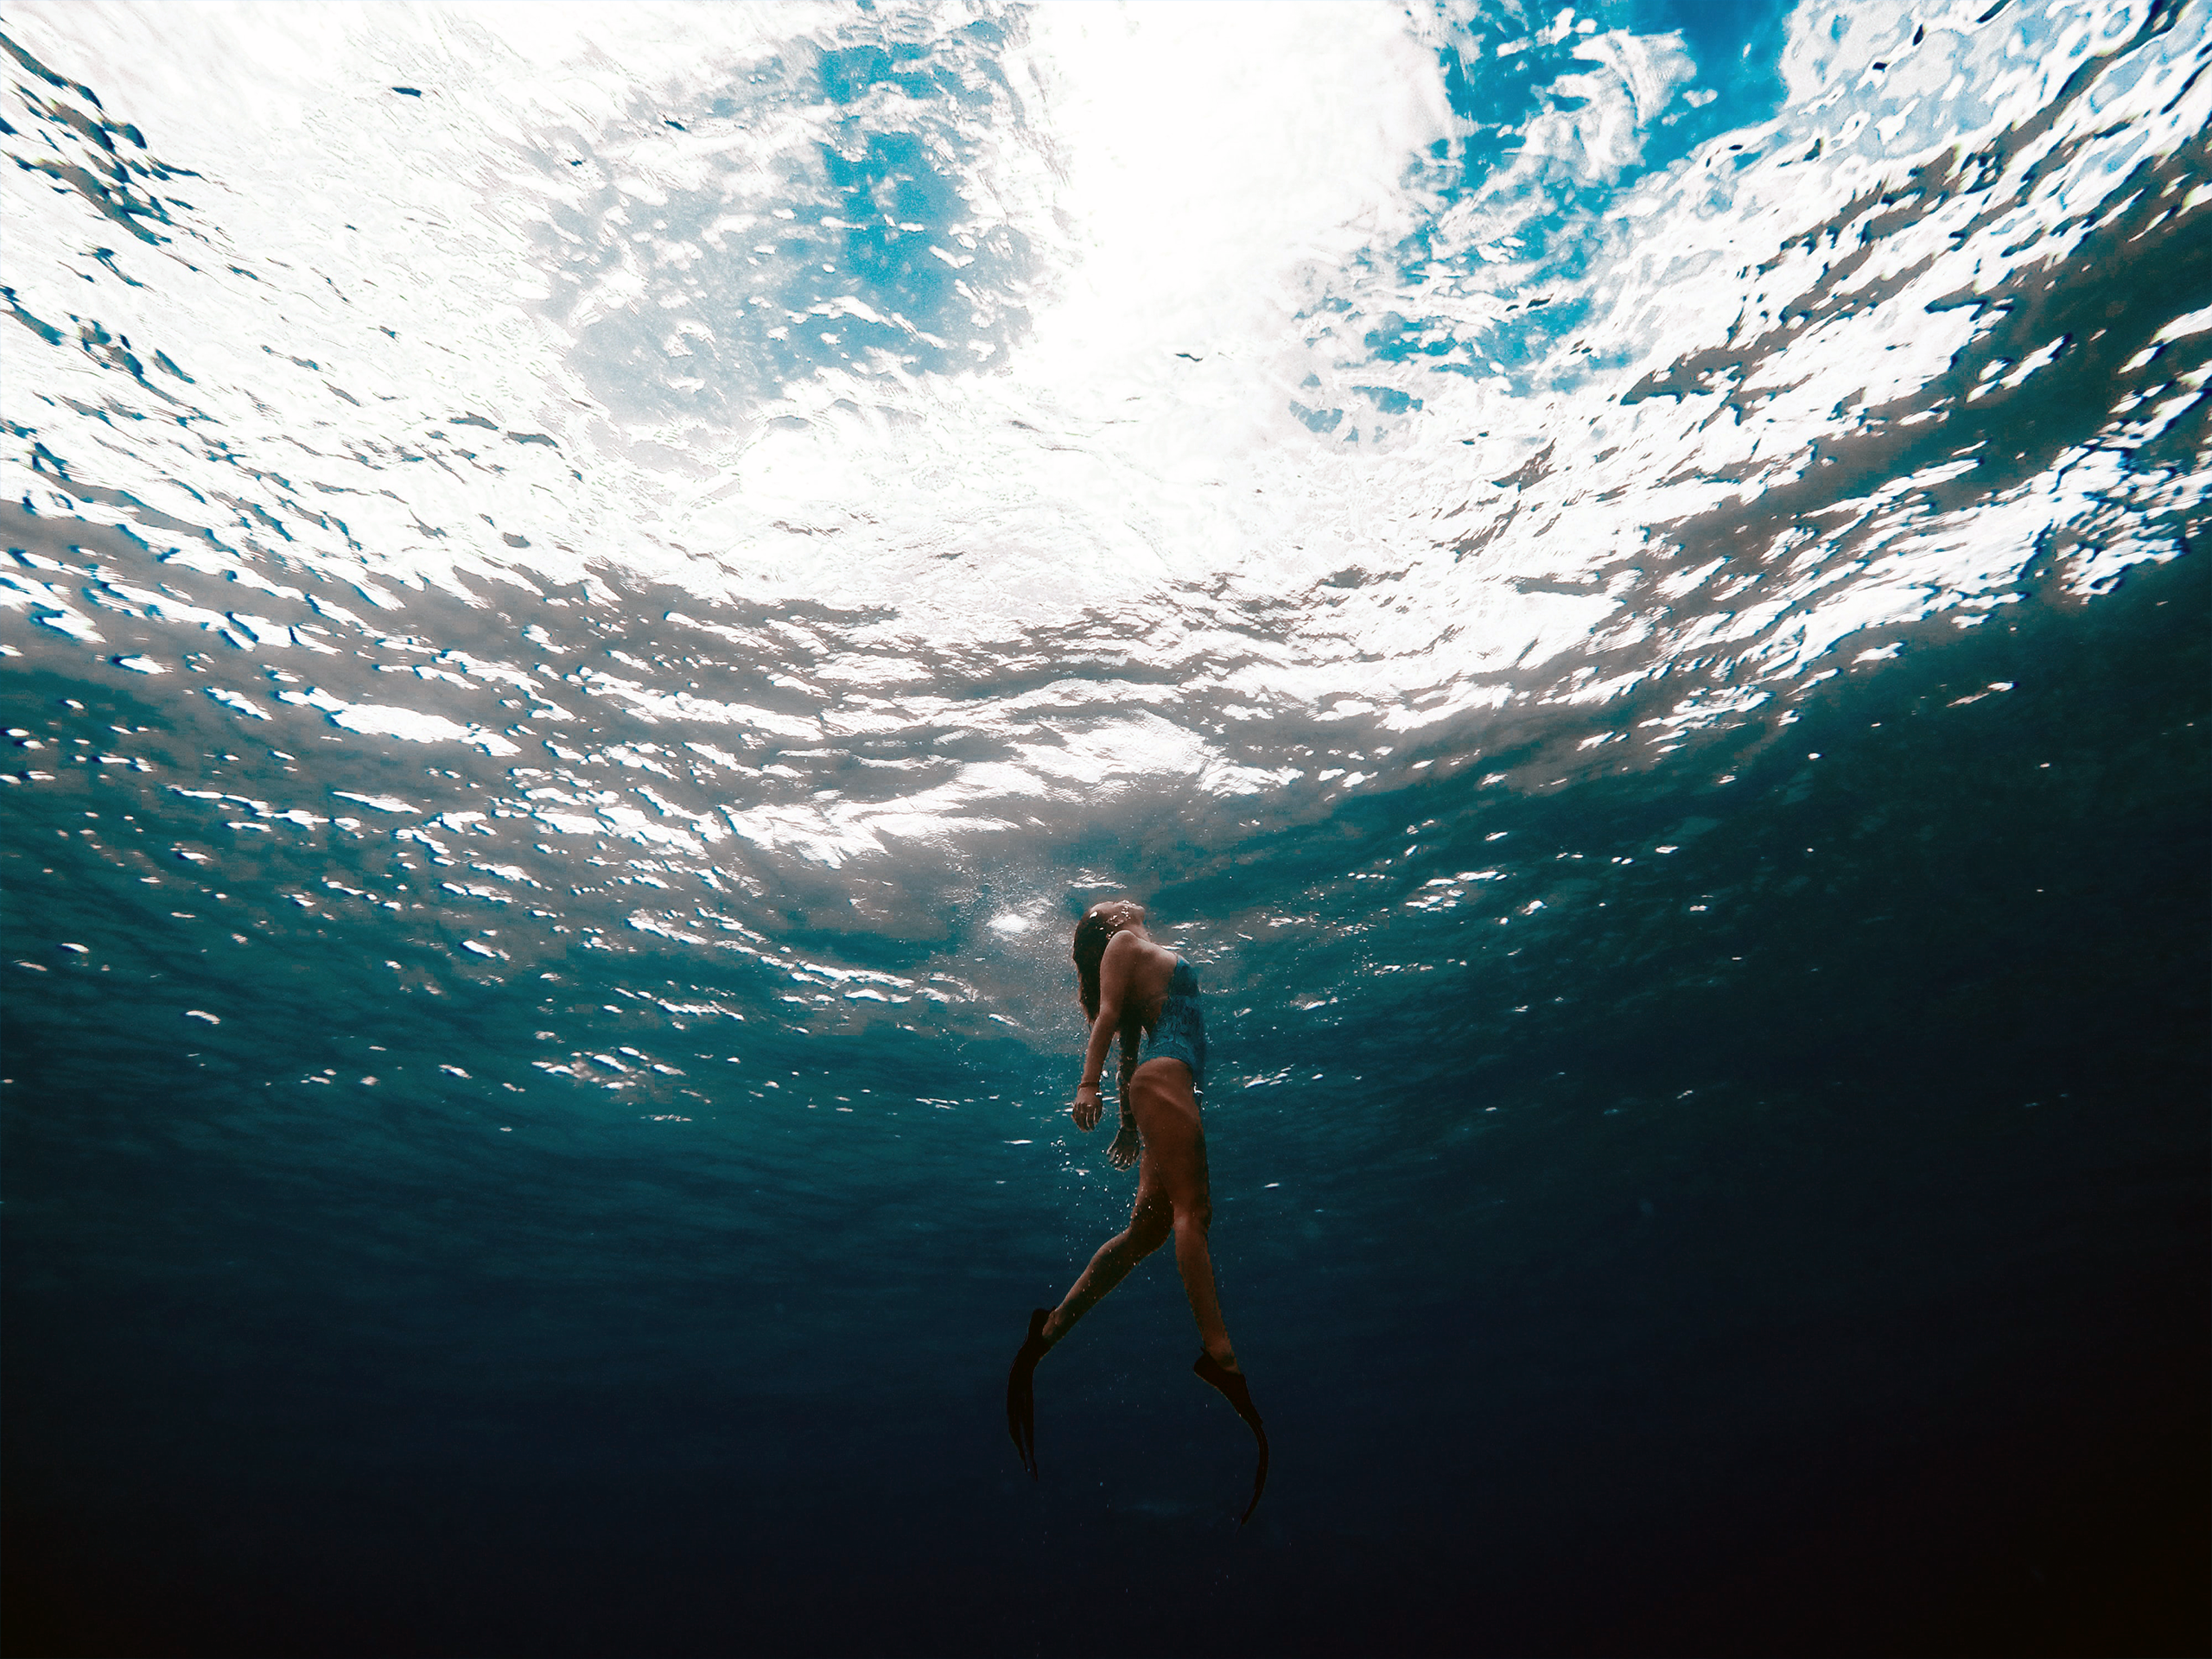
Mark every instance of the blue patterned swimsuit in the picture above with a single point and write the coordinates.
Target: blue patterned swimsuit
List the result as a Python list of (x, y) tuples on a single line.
[(1180, 1033)]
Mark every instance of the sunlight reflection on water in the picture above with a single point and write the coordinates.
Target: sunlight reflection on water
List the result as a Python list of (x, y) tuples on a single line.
[(820, 455)]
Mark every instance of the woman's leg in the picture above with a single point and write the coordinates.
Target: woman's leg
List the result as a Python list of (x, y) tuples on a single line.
[(1175, 1151), (1149, 1222)]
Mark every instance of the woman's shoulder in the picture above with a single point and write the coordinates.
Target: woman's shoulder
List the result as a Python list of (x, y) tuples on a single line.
[(1128, 949)]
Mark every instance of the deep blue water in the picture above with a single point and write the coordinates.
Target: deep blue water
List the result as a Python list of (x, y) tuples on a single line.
[(548, 797)]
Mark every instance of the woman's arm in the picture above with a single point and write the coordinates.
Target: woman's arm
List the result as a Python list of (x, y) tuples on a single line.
[(1113, 986), (1128, 1141)]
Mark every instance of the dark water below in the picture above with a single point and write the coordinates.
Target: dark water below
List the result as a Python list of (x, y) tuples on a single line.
[(587, 595)]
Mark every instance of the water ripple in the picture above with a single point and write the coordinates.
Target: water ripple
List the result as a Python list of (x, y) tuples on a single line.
[(755, 483)]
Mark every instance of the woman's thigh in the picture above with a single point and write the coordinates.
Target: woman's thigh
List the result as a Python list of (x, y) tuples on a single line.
[(1166, 1112)]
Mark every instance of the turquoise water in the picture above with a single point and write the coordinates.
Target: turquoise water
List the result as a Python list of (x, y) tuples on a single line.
[(590, 592)]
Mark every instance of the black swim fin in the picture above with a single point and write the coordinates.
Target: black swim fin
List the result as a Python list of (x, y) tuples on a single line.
[(1020, 1399), (1234, 1390)]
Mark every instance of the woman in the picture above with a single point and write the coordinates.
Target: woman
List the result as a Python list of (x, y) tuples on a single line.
[(1148, 996)]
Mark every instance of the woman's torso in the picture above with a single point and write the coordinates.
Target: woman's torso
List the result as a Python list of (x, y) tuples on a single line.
[(1164, 994), (1152, 977)]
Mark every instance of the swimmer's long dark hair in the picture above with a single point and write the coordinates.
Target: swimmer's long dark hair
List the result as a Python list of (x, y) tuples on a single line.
[(1098, 926)]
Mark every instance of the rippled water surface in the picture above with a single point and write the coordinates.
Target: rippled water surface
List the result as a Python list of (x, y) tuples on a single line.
[(590, 589)]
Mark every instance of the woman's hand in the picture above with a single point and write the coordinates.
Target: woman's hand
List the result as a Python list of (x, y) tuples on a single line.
[(1087, 1107), (1126, 1148)]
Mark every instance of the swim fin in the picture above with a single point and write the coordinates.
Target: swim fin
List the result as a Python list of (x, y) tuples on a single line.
[(1020, 1400), (1235, 1391)]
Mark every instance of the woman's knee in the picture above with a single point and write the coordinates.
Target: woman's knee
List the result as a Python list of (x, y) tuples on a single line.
[(1149, 1226), (1195, 1212)]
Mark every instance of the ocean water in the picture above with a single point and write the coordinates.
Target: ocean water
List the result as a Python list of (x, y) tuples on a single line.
[(591, 589)]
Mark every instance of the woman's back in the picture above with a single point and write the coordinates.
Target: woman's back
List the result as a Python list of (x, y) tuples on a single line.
[(1151, 970)]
